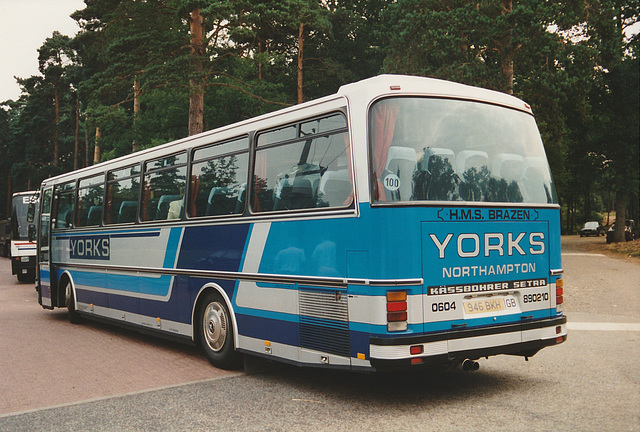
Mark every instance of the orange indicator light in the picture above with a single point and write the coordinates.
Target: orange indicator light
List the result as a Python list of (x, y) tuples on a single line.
[(396, 296)]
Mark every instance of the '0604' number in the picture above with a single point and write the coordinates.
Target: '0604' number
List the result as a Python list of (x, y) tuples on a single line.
[(533, 298), (443, 306)]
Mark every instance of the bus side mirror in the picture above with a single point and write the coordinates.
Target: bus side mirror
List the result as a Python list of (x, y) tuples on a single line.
[(32, 232), (7, 227)]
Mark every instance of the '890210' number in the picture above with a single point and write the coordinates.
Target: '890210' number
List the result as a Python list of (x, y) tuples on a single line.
[(443, 306), (533, 298)]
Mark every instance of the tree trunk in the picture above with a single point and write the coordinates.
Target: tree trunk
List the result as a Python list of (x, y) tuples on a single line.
[(136, 110), (507, 50), (86, 142), (76, 136), (506, 67), (96, 150), (587, 201), (300, 63), (197, 82), (56, 131), (621, 210), (261, 50)]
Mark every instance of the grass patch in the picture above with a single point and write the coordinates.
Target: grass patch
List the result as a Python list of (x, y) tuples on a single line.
[(631, 248)]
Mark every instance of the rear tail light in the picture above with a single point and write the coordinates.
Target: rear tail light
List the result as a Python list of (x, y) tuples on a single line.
[(559, 295), (397, 311)]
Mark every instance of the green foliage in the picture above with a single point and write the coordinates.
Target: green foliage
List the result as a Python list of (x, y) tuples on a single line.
[(570, 60)]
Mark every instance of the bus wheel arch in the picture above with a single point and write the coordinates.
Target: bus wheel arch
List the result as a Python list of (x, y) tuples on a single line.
[(214, 327), (67, 297)]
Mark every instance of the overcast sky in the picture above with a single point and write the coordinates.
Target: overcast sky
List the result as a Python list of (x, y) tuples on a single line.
[(24, 26)]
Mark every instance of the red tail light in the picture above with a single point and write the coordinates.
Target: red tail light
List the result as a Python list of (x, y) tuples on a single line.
[(416, 349), (397, 311), (559, 294)]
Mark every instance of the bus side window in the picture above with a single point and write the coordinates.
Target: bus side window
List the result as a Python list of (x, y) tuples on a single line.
[(218, 178), (164, 186), (123, 188), (64, 211), (309, 172), (90, 197)]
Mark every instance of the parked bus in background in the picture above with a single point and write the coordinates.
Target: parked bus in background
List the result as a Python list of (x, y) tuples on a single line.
[(401, 222), (14, 237), (5, 237)]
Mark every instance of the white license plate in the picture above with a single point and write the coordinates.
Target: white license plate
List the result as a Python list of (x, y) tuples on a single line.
[(491, 305)]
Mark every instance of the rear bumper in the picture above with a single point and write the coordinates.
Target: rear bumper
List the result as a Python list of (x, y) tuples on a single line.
[(523, 339), (23, 262)]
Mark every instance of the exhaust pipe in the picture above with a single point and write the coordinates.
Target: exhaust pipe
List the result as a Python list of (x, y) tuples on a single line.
[(470, 365)]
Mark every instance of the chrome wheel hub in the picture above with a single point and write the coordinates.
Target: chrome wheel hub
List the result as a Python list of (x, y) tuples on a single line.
[(214, 325)]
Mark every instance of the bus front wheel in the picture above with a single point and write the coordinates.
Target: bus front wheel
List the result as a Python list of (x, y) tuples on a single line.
[(70, 303), (215, 332)]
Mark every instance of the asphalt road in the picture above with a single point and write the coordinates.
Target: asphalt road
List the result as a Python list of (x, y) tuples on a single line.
[(590, 383)]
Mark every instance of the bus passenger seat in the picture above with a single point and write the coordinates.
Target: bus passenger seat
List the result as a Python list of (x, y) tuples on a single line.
[(432, 154), (508, 166), (242, 193), (468, 159), (401, 161), (221, 201), (334, 188), (302, 195), (127, 212), (94, 216), (163, 206), (61, 221)]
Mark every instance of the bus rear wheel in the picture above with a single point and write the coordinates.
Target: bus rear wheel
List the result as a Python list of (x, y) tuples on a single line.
[(215, 332)]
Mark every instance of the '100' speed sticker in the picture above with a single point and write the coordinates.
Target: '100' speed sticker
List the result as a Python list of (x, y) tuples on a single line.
[(391, 182)]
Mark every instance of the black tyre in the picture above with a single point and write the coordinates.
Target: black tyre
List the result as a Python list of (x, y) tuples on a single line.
[(215, 332), (74, 316)]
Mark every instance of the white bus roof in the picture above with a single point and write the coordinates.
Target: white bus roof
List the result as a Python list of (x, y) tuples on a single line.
[(405, 84)]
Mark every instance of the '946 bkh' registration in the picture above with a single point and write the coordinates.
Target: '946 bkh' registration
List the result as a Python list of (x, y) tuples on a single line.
[(491, 305)]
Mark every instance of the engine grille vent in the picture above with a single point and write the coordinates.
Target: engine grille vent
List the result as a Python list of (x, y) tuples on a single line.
[(324, 322)]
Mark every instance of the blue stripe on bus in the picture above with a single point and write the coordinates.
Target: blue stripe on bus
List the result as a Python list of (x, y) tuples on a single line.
[(94, 298), (157, 286), (137, 234), (245, 250), (273, 330), (218, 247), (154, 232), (172, 248)]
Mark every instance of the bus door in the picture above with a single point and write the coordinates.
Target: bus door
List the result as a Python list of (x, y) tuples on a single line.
[(45, 297)]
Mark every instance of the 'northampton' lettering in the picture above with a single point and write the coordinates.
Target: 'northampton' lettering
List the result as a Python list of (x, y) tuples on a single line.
[(488, 270)]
